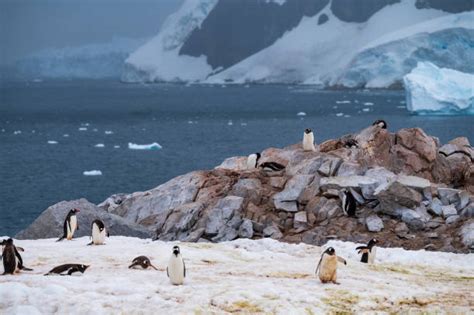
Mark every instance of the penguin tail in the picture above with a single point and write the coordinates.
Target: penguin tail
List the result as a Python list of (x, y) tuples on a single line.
[(60, 239), (26, 269), (90, 243), (153, 267)]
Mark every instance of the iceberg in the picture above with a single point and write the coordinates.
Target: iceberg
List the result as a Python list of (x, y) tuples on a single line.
[(152, 146), (439, 91), (92, 173)]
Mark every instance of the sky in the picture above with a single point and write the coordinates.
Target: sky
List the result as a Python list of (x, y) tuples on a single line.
[(27, 26)]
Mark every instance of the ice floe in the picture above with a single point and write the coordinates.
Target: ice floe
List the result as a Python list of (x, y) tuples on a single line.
[(151, 146), (92, 173)]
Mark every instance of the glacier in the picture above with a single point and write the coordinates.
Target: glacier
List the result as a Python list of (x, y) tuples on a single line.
[(95, 61), (439, 91)]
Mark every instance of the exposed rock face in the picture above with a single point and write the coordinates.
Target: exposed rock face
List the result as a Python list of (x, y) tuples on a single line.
[(50, 223), (406, 186)]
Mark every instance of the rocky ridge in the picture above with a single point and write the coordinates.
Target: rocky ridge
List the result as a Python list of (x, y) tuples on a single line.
[(411, 191)]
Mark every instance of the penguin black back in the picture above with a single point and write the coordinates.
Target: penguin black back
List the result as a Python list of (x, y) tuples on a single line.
[(99, 224), (67, 269), (349, 204), (142, 261), (366, 250), (67, 223), (9, 257), (272, 166)]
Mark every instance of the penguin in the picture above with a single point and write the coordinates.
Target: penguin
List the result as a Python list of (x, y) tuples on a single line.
[(308, 140), (70, 225), (252, 160), (99, 232), (272, 167), (67, 269), (141, 262), (368, 252), (176, 269), (327, 266), (380, 123), (349, 204), (351, 143), (12, 261)]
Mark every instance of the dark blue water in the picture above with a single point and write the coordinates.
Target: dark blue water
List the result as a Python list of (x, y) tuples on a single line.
[(198, 127)]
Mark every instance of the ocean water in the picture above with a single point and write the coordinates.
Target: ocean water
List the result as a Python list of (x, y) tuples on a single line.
[(197, 127)]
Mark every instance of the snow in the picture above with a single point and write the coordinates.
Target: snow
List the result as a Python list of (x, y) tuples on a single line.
[(92, 173), (246, 276), (433, 90), (52, 142), (152, 146)]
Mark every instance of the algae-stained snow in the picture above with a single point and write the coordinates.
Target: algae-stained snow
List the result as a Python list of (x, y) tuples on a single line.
[(248, 276)]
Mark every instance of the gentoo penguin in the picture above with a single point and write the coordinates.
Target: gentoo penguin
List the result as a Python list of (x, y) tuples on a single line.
[(351, 143), (142, 262), (308, 140), (99, 232), (368, 252), (252, 161), (12, 261), (271, 167), (67, 269), (70, 225), (327, 266), (380, 123), (176, 269), (349, 204)]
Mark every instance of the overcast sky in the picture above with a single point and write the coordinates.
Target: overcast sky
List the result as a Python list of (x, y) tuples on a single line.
[(27, 26)]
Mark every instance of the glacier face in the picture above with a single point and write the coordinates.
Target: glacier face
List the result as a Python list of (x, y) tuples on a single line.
[(94, 61), (440, 91)]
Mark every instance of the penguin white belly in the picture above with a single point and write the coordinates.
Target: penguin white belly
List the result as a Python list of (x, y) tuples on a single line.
[(308, 142), (176, 270), (327, 270), (71, 227), (98, 237), (372, 253)]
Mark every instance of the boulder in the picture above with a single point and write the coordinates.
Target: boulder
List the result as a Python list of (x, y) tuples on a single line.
[(449, 211), (381, 176), (394, 195), (330, 165), (324, 208), (290, 206), (374, 223), (113, 201), (436, 207), (300, 220), (412, 219), (350, 168), (224, 219), (246, 229), (273, 232), (467, 234), (236, 163), (180, 222), (418, 183), (448, 195), (286, 199), (452, 219), (468, 211), (249, 188), (340, 182), (50, 223)]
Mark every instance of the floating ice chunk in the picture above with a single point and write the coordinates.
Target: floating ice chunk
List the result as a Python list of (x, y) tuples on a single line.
[(92, 173), (152, 146), (109, 132), (401, 106), (343, 102), (230, 123), (190, 122), (301, 114), (440, 91), (65, 135), (243, 124), (99, 145), (402, 102), (369, 104), (3, 130), (95, 130), (52, 142), (17, 132), (116, 146), (335, 106), (347, 115), (366, 109), (339, 114), (82, 129), (33, 131), (85, 124)]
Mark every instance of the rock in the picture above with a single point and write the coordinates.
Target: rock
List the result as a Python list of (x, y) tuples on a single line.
[(273, 232), (436, 207), (448, 195), (464, 199), (246, 229), (350, 168), (340, 182), (381, 176), (449, 211), (113, 202), (468, 212), (195, 236), (432, 235), (277, 182), (310, 191), (413, 219), (324, 208), (418, 183), (236, 163), (300, 220), (394, 195), (224, 219), (452, 219), (416, 140), (179, 223), (401, 228), (290, 206), (50, 223), (329, 166), (286, 199), (374, 223), (467, 234), (249, 188)]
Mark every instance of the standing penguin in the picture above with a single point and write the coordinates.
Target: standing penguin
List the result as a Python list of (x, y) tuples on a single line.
[(252, 160), (380, 123), (368, 252), (327, 266), (99, 232), (70, 225), (141, 262), (349, 204), (308, 140), (176, 269), (12, 261)]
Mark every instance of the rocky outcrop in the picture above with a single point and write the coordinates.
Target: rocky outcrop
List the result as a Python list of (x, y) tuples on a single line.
[(411, 191)]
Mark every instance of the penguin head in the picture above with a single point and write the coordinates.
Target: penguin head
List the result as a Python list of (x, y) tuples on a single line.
[(380, 123), (74, 211), (372, 242), (308, 131), (84, 267), (176, 250), (330, 251)]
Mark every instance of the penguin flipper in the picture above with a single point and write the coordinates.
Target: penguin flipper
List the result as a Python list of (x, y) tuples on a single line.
[(61, 238), (132, 265), (319, 264), (90, 243), (184, 267), (167, 273), (342, 260)]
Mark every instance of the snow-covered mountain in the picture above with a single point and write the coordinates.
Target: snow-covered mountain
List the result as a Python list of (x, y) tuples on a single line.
[(94, 61), (349, 43)]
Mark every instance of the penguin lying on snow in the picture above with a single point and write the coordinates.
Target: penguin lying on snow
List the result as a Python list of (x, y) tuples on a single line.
[(67, 269), (176, 269), (349, 204), (368, 252), (70, 225), (380, 123), (252, 160), (141, 262), (327, 266), (12, 261), (99, 232), (272, 167), (308, 140)]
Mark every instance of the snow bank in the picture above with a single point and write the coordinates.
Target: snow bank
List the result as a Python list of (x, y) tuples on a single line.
[(242, 276), (433, 90), (152, 146), (92, 173)]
